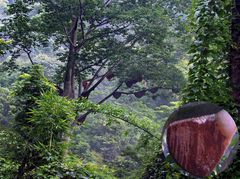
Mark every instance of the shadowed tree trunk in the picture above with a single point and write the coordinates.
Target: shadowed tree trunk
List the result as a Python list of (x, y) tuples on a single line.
[(69, 75), (235, 55), (235, 59)]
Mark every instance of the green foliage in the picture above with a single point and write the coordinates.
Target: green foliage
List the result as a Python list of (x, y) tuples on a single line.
[(118, 139), (9, 148), (6, 81), (208, 74), (38, 143), (133, 31), (3, 46), (20, 28), (118, 113), (144, 47), (50, 121), (7, 169), (208, 78), (4, 105), (26, 91), (71, 167)]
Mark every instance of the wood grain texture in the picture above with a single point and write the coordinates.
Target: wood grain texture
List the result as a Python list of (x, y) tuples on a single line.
[(197, 144)]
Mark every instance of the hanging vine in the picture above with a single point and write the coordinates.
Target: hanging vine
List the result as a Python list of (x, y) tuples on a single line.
[(208, 74), (208, 77)]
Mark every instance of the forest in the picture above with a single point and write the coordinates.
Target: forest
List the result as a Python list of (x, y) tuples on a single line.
[(86, 86)]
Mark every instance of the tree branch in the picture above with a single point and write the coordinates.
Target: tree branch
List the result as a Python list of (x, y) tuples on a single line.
[(87, 93), (89, 66), (28, 52), (83, 117), (108, 96), (100, 35), (64, 28), (81, 19), (97, 72), (107, 2), (149, 89), (133, 124)]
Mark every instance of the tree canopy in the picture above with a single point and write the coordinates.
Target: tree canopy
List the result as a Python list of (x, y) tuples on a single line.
[(124, 65)]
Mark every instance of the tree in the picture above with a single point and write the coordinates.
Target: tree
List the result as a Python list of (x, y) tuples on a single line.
[(35, 143), (26, 91), (125, 40)]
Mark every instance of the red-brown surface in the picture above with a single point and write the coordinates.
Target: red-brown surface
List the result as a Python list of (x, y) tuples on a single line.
[(198, 144)]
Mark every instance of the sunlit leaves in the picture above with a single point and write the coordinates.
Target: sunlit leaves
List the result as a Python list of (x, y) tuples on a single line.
[(3, 45)]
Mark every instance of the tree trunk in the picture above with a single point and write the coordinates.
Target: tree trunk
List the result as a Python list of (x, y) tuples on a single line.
[(235, 55), (79, 88), (69, 84)]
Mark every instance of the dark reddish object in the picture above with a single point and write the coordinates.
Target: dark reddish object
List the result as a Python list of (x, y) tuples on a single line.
[(198, 143), (140, 94), (129, 83), (153, 90), (117, 95), (82, 118), (85, 84), (110, 75), (137, 78)]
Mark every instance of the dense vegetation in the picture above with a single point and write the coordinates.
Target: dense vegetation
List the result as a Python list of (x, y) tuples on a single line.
[(86, 86)]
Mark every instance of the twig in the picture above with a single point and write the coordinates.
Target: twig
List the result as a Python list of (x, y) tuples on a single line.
[(28, 52), (108, 96), (137, 126), (97, 72)]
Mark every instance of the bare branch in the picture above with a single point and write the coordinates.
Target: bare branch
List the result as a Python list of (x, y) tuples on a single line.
[(108, 96), (28, 52), (99, 35), (89, 66), (134, 124), (87, 93), (83, 117), (149, 89), (81, 19), (97, 72), (107, 2), (67, 34)]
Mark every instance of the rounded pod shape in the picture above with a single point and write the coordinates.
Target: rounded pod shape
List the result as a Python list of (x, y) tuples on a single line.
[(201, 138)]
